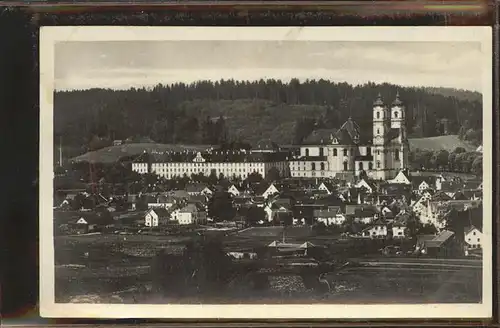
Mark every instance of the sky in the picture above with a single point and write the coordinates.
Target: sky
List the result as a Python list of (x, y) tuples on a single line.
[(126, 64)]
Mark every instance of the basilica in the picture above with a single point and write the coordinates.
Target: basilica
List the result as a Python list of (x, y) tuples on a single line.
[(332, 153), (326, 153)]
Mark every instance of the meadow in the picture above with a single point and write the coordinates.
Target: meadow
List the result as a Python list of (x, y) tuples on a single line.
[(116, 268)]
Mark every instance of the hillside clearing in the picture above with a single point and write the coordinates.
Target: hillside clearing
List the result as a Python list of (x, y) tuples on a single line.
[(114, 153), (449, 143)]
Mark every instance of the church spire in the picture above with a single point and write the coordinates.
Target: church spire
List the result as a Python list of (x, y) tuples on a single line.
[(397, 101), (378, 101)]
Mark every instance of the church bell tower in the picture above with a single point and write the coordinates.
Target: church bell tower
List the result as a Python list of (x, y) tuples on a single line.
[(381, 127)]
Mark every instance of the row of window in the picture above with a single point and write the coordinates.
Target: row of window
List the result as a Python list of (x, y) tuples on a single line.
[(335, 152), (233, 164)]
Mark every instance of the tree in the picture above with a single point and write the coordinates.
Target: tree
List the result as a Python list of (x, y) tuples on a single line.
[(273, 175), (77, 202), (141, 203), (220, 207), (255, 214), (442, 159), (459, 150), (452, 161), (254, 177), (477, 166), (319, 228)]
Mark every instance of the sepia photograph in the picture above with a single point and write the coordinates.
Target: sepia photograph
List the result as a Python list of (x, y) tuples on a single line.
[(319, 172)]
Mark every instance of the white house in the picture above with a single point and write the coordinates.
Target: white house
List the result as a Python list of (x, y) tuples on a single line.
[(420, 205), (269, 212), (233, 191), (189, 214), (378, 230), (473, 237), (329, 189), (401, 177), (271, 190), (330, 216), (398, 231), (386, 211), (364, 184), (153, 216), (297, 221)]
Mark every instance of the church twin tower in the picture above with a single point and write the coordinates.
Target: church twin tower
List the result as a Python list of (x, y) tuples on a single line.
[(390, 148)]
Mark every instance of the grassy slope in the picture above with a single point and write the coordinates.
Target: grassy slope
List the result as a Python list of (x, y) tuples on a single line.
[(114, 153), (449, 142)]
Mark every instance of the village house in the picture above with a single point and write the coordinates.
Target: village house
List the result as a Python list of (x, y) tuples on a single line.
[(154, 216), (368, 186), (189, 214), (473, 237), (242, 201), (233, 190), (327, 187), (281, 214), (362, 213), (330, 216), (386, 212), (194, 189), (269, 191), (433, 214), (376, 230), (161, 201), (440, 245), (403, 177), (399, 225), (420, 184)]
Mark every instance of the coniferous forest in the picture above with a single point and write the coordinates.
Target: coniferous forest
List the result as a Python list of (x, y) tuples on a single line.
[(208, 112)]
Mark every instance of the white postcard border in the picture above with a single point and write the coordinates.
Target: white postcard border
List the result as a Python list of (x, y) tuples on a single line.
[(49, 36)]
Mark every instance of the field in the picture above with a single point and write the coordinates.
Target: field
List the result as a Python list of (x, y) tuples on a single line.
[(449, 143), (114, 153), (116, 269)]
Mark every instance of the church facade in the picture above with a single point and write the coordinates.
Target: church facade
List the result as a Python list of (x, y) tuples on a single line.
[(347, 151)]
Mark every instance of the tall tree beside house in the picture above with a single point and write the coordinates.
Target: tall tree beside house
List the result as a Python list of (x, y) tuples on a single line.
[(220, 207), (141, 203), (273, 174), (477, 166), (457, 221), (255, 214), (208, 266), (253, 177)]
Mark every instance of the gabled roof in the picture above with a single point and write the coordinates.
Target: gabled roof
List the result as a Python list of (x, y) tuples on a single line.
[(451, 185), (320, 137), (440, 196), (265, 145), (189, 208), (361, 209), (195, 187), (467, 230), (161, 212), (327, 185), (417, 180), (349, 133), (440, 239), (324, 213)]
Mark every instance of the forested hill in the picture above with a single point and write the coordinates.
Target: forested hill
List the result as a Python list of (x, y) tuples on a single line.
[(211, 112)]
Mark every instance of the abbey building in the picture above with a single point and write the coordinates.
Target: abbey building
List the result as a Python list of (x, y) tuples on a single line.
[(326, 153), (338, 152)]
